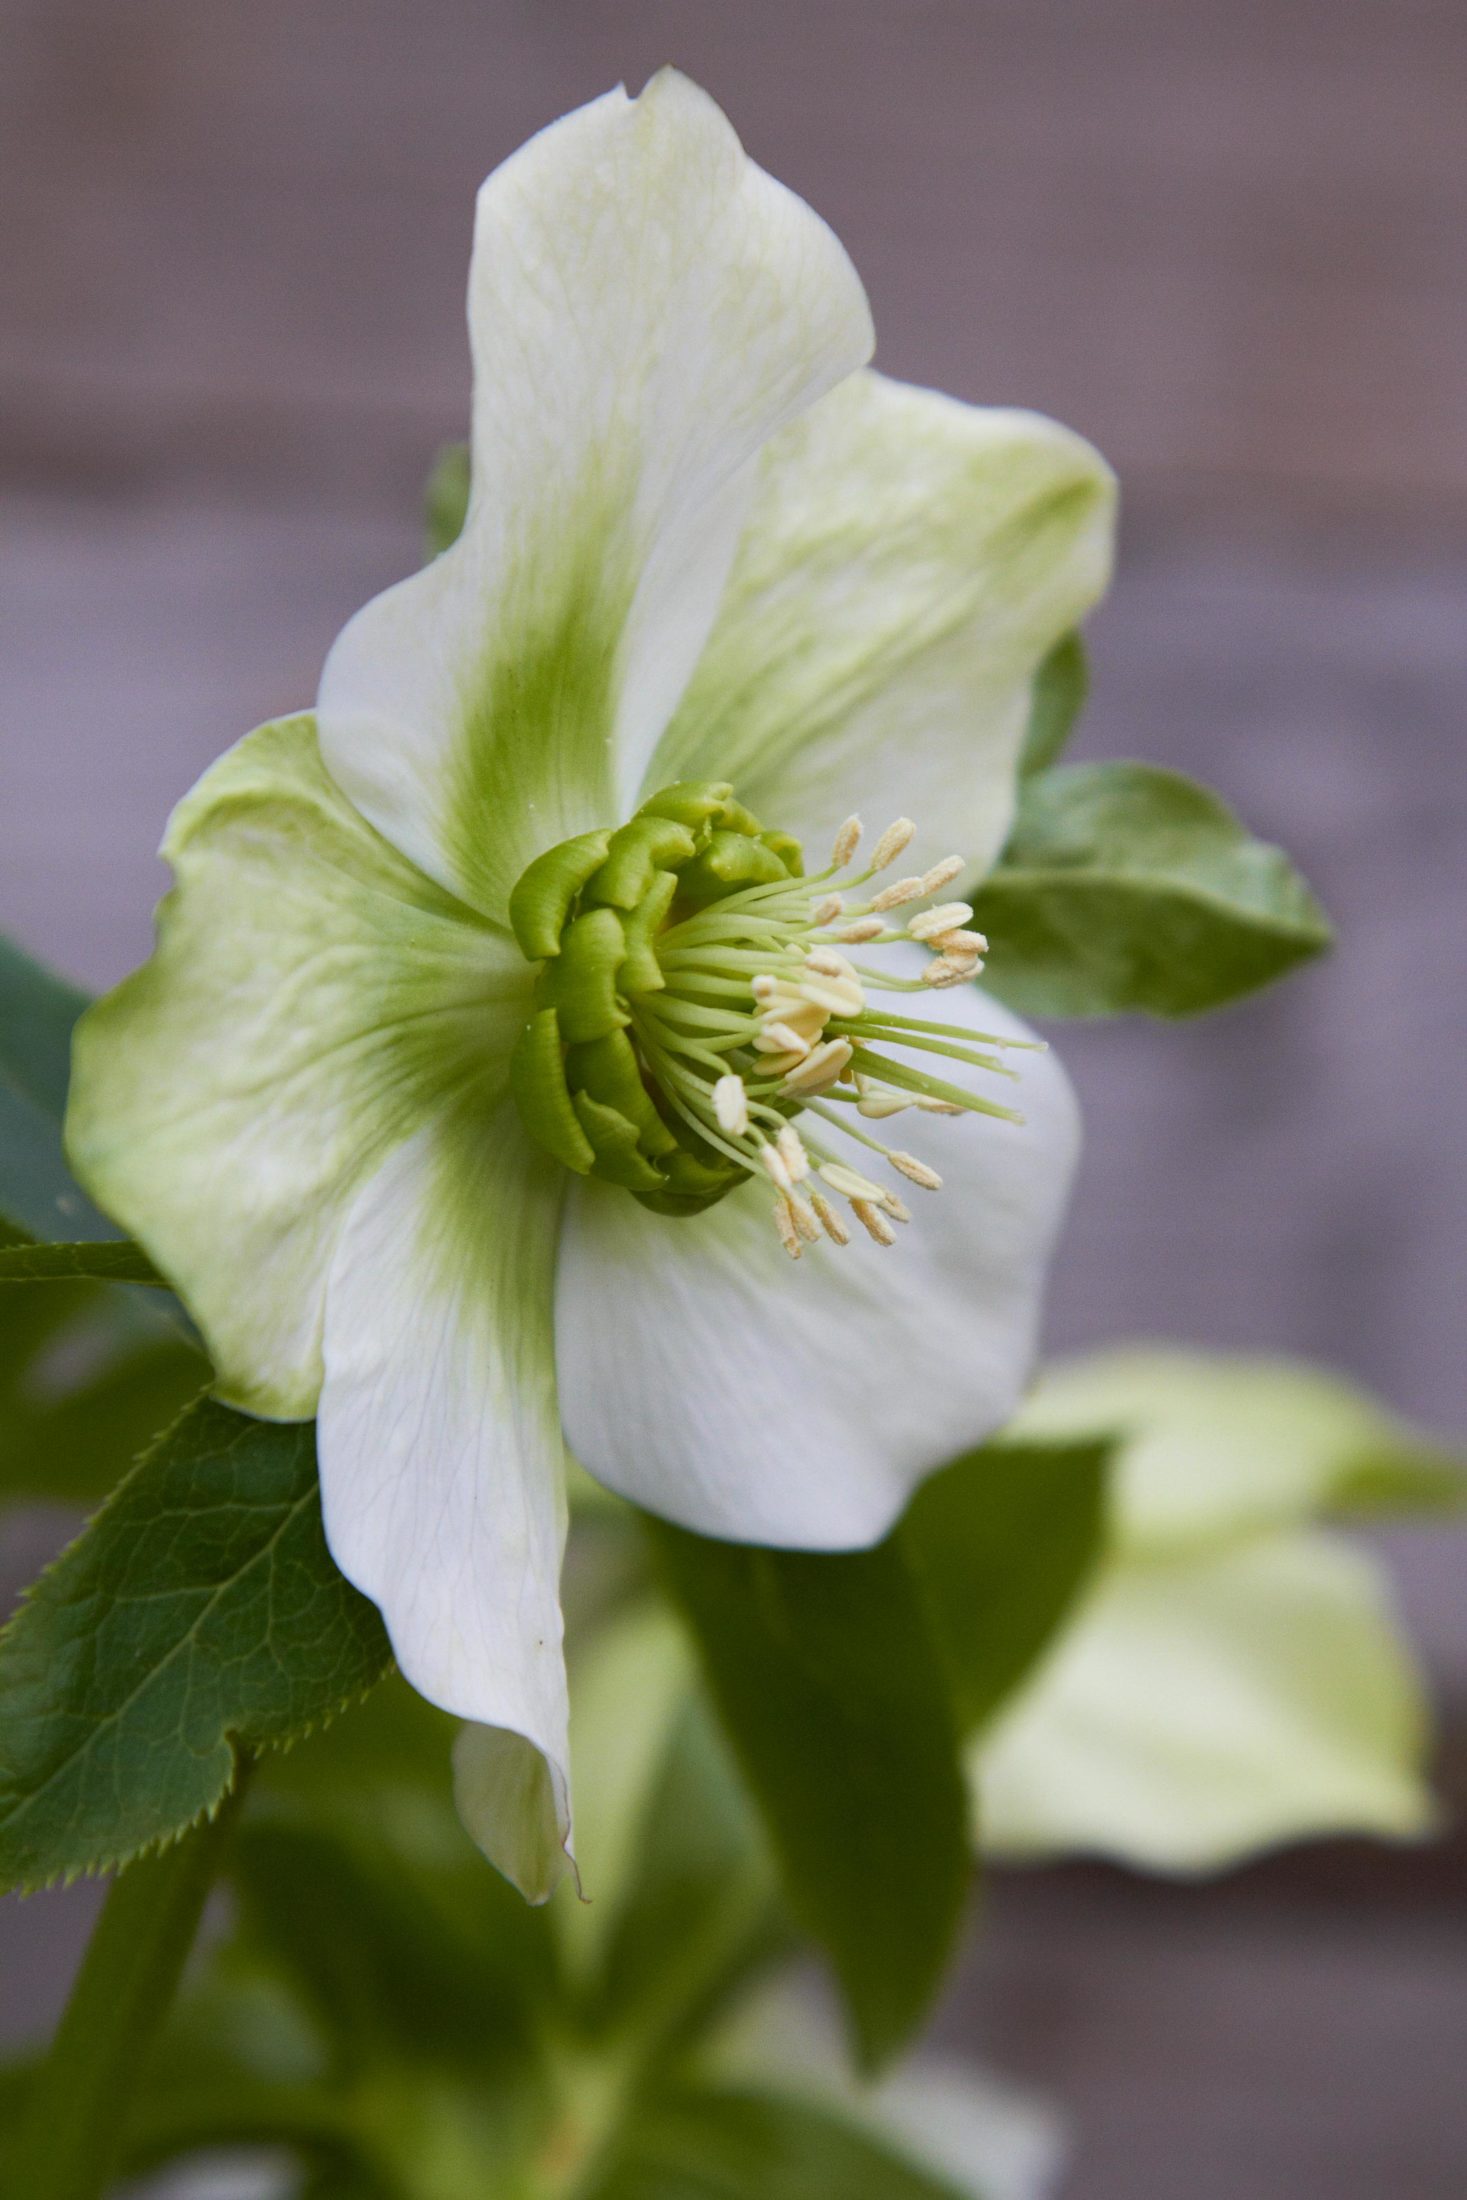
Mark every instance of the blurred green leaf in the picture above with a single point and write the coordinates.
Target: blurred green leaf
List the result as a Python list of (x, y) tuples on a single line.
[(1125, 887), (112, 1261), (198, 1611), (446, 498), (709, 2144), (1003, 1542), (39, 1198), (1060, 687), (833, 1694), (70, 1447)]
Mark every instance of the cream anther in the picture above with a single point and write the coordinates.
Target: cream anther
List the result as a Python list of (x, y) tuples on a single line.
[(822, 1067), (792, 1153), (944, 918), (892, 842), (731, 1105), (876, 1105), (916, 1170), (772, 1163), (963, 943), (826, 912), (864, 928), (830, 964), (901, 890), (784, 1222), (873, 1221), (848, 1182), (830, 1221), (941, 873), (804, 1219), (896, 1208), (778, 1038), (847, 841)]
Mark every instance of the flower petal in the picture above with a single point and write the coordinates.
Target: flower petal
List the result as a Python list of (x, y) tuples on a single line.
[(1221, 1445), (646, 307), (907, 563), (1207, 1706), (712, 1380), (312, 998), (442, 1473)]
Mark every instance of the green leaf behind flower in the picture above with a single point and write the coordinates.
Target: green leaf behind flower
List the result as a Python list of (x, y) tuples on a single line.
[(1003, 1542), (1060, 687), (109, 1261), (705, 2143), (1125, 887), (834, 1696), (199, 1612), (446, 498), (39, 1197)]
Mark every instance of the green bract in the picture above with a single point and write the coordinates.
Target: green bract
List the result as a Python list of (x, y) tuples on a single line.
[(400, 1107)]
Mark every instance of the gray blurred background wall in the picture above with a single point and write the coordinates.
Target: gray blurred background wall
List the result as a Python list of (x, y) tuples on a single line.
[(1225, 238)]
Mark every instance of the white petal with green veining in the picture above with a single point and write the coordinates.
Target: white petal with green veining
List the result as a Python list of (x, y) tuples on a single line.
[(1221, 1445), (646, 308), (442, 1470), (312, 997), (907, 563), (1207, 1705), (711, 1379)]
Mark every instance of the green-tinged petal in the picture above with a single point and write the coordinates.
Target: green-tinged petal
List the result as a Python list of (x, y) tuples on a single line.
[(646, 308), (1208, 1705), (442, 1470), (1217, 1446), (709, 1378), (312, 999), (908, 562)]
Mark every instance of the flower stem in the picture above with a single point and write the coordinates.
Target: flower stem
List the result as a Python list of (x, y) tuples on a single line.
[(76, 2116)]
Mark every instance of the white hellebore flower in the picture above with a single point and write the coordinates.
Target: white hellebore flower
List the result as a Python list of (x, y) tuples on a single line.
[(460, 1097), (1234, 1677)]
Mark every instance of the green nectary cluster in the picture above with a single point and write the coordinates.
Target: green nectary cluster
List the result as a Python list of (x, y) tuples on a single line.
[(694, 996), (593, 911)]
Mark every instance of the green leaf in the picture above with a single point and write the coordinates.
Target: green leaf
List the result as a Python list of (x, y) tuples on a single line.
[(833, 1694), (707, 2143), (1003, 1542), (39, 1198), (446, 498), (200, 1610), (1124, 887), (1060, 687), (113, 1261), (72, 1448)]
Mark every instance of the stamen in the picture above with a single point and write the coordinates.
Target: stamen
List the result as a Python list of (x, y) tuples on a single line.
[(772, 1163), (847, 841), (896, 1208), (873, 1221), (784, 1222), (940, 874), (826, 912), (793, 1154), (943, 918), (780, 1039), (830, 964), (849, 1182), (865, 928), (830, 1221), (892, 842), (731, 1105), (879, 1104), (900, 892), (821, 1068), (804, 1219), (918, 1171)]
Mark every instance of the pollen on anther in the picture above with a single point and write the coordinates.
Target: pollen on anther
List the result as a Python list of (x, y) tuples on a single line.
[(864, 928), (847, 841), (830, 1221), (826, 911), (873, 1221), (941, 873), (784, 1222), (946, 917), (892, 842), (900, 891), (916, 1170), (731, 1105), (792, 1153)]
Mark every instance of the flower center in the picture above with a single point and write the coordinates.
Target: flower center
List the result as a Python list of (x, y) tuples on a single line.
[(696, 995)]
